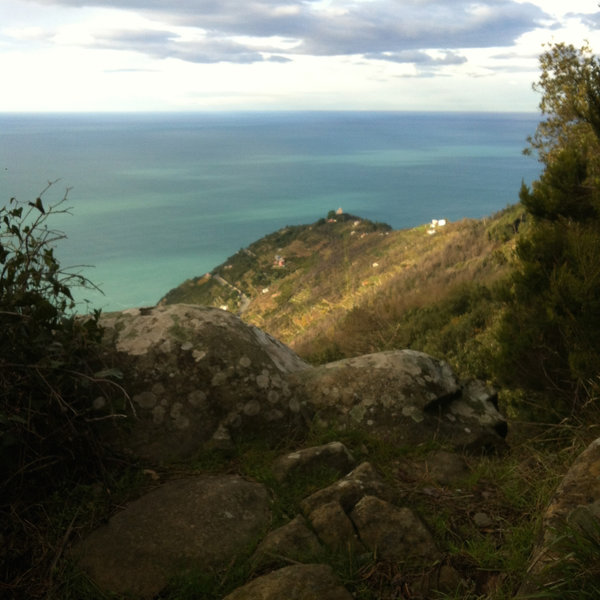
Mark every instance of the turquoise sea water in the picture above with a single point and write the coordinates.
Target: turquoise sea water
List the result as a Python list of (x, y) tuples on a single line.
[(159, 198)]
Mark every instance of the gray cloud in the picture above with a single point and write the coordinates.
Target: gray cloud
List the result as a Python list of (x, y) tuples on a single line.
[(592, 21), (418, 57), (383, 29), (165, 44)]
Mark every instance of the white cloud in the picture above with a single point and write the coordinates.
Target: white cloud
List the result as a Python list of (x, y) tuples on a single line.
[(195, 54)]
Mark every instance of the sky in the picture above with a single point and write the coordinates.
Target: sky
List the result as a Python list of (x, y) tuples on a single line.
[(205, 55)]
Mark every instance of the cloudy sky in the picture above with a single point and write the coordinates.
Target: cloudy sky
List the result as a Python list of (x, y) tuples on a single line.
[(146, 55)]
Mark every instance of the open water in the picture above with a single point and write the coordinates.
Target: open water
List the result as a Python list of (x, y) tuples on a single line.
[(159, 198)]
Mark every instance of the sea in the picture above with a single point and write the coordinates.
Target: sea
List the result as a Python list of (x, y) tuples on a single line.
[(155, 199)]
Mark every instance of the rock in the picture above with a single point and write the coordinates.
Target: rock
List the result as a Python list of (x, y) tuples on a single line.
[(298, 582), (333, 456), (334, 528), (574, 505), (405, 396), (394, 534), (200, 376), (482, 520), (293, 541), (205, 521), (362, 481)]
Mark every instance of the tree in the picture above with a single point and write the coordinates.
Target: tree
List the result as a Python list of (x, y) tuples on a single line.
[(570, 102), (550, 334)]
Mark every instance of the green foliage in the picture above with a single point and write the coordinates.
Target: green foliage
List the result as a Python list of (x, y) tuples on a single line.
[(570, 102), (576, 573), (549, 338), (51, 375), (563, 190)]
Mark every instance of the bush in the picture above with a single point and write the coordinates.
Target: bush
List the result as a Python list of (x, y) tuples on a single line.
[(54, 392), (52, 380)]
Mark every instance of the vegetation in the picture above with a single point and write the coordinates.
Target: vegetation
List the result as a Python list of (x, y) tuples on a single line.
[(53, 385), (550, 333), (351, 286)]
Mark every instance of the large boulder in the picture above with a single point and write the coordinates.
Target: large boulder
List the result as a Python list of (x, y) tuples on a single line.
[(405, 396), (207, 521), (199, 376)]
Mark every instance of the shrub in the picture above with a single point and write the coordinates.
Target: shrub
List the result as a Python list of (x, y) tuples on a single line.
[(52, 380)]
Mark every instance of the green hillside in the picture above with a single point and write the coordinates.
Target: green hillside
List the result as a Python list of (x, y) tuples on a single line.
[(344, 286)]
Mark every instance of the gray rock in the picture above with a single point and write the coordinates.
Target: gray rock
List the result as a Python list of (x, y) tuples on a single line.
[(394, 534), (334, 528), (362, 481), (199, 376), (204, 521), (298, 582), (334, 456), (293, 541), (406, 396)]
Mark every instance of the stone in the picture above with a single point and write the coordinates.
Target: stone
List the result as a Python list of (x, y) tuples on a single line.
[(405, 396), (334, 528), (482, 520), (205, 520), (297, 582), (394, 534), (362, 481), (333, 456), (199, 377), (292, 541)]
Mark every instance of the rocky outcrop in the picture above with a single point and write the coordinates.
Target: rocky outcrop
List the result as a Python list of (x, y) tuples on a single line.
[(405, 396), (199, 376), (206, 520)]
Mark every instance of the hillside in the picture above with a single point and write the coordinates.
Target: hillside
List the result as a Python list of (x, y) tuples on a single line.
[(344, 286)]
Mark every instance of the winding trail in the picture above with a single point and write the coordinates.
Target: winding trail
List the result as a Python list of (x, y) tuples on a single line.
[(244, 300)]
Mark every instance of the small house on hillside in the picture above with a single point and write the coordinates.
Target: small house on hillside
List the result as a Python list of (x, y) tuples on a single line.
[(435, 224)]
